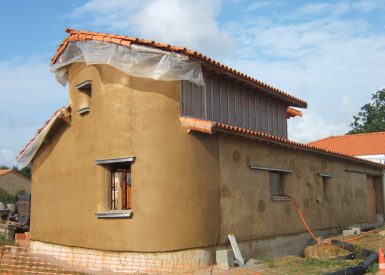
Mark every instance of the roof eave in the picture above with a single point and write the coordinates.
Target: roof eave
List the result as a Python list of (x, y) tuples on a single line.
[(295, 146)]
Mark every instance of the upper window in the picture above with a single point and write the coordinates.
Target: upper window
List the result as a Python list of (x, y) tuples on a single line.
[(84, 89)]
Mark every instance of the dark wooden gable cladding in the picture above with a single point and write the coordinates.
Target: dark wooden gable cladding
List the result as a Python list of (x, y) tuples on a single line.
[(226, 100)]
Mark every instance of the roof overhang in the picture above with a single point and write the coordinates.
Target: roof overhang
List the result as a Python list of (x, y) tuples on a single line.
[(126, 41), (193, 124)]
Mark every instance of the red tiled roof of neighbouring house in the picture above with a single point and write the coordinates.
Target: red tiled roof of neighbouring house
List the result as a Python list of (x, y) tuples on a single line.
[(75, 35), (5, 171), (197, 124), (355, 145)]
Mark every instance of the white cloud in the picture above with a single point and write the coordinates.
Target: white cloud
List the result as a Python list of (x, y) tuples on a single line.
[(333, 63), (257, 5), (185, 23), (312, 10), (366, 6), (311, 127), (7, 157), (29, 96)]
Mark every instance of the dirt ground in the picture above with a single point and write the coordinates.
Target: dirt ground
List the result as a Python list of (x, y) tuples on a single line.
[(321, 258)]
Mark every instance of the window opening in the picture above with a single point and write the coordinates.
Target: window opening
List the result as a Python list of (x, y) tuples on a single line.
[(84, 89), (326, 188), (276, 184), (121, 188)]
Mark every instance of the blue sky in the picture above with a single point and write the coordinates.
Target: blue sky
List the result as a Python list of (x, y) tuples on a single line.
[(329, 53)]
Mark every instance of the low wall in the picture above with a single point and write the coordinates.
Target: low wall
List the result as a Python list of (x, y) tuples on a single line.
[(195, 258), (88, 259)]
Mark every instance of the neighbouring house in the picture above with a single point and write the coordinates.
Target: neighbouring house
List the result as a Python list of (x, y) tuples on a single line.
[(369, 146), (163, 152), (13, 182)]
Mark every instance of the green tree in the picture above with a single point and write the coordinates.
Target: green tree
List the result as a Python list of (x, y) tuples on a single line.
[(6, 197), (26, 171), (371, 117)]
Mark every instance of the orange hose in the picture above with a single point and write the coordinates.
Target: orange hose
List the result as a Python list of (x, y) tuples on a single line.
[(304, 222)]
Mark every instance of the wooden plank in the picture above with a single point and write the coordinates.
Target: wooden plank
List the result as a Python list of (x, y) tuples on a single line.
[(269, 114), (264, 113), (238, 106), (280, 121), (252, 117), (187, 106), (231, 103), (258, 112), (283, 119), (216, 98), (237, 252), (223, 100), (274, 120), (208, 97), (197, 100), (245, 107)]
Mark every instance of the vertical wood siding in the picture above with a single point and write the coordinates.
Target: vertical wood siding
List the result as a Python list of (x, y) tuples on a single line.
[(224, 100)]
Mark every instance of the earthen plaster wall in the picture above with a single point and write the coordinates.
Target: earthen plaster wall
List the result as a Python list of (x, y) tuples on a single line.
[(175, 197), (248, 211), (188, 190)]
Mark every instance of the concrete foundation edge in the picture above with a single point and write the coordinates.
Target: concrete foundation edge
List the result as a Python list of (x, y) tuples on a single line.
[(200, 257), (134, 261)]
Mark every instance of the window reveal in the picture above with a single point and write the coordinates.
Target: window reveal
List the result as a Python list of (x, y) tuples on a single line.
[(84, 89), (121, 188), (276, 188)]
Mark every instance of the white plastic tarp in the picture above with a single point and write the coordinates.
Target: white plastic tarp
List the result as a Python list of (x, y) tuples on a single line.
[(135, 60), (25, 158)]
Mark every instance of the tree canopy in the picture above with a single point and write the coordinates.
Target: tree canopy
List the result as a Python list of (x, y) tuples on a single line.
[(371, 117)]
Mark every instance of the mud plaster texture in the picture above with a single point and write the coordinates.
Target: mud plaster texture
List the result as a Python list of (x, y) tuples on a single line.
[(189, 190)]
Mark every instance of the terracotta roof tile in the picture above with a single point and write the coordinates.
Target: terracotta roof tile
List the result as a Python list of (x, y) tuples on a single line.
[(291, 112), (355, 145), (222, 127), (75, 35), (204, 126)]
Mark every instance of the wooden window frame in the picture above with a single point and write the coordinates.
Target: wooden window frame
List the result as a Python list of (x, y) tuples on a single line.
[(125, 188), (124, 166)]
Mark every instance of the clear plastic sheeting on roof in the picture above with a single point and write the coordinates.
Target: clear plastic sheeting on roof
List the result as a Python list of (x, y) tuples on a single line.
[(29, 152), (135, 60)]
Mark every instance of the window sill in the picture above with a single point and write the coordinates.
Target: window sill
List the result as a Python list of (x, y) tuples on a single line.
[(115, 214), (279, 198), (84, 110)]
